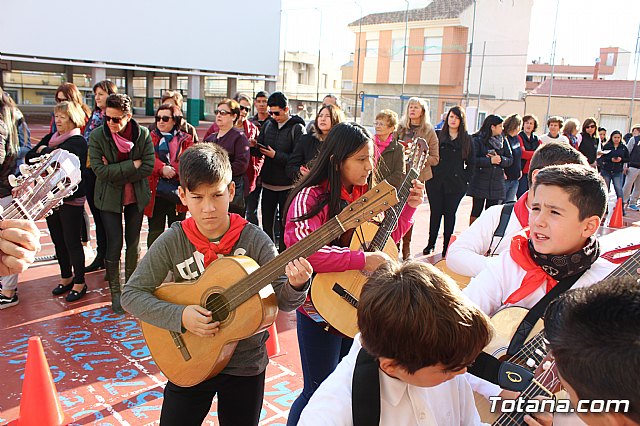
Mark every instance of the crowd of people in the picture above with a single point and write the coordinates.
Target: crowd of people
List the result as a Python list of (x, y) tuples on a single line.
[(547, 194)]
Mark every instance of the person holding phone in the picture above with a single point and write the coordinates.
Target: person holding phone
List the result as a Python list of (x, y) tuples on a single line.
[(492, 156)]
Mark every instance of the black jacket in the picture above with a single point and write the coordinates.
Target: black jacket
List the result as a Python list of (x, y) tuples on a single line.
[(451, 174), (306, 150), (589, 147), (514, 171), (75, 144), (621, 151), (283, 141), (488, 179)]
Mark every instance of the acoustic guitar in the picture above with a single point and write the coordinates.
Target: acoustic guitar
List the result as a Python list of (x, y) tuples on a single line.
[(506, 322), (335, 295), (239, 294), (461, 280)]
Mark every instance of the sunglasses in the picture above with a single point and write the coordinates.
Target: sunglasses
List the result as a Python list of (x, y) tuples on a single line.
[(221, 112), (591, 126), (115, 120), (58, 100), (276, 113), (164, 118), (245, 108)]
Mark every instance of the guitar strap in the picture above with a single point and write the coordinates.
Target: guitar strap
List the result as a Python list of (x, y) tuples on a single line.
[(365, 391), (499, 232), (536, 312)]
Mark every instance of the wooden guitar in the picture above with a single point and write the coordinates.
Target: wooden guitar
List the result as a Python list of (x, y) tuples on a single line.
[(43, 185), (334, 295), (239, 294), (461, 280), (531, 354)]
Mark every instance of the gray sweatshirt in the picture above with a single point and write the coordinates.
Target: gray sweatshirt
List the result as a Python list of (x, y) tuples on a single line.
[(173, 252)]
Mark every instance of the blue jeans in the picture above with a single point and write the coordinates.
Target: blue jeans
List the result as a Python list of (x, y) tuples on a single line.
[(617, 181), (511, 189), (320, 352)]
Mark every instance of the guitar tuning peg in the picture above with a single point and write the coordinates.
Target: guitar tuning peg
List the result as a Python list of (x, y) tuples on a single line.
[(13, 181), (25, 170)]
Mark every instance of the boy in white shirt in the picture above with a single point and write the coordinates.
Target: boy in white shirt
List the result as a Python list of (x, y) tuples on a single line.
[(418, 333), (469, 253), (567, 205)]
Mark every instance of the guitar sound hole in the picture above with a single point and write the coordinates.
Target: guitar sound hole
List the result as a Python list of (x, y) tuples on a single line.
[(218, 306)]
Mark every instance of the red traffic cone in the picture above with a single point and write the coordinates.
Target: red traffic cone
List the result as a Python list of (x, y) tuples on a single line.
[(273, 344), (616, 216), (39, 404)]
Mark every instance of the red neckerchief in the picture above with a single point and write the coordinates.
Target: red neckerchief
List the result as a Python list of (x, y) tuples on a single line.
[(535, 275), (356, 193), (521, 210), (206, 247)]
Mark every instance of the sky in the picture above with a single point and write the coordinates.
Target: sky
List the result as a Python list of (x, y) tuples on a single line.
[(584, 26)]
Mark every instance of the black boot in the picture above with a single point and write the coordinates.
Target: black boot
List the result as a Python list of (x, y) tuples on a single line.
[(113, 269), (96, 265), (130, 263)]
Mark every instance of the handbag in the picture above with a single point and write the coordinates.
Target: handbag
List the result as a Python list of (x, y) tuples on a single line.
[(167, 189)]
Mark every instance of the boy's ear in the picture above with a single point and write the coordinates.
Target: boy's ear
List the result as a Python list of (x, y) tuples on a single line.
[(183, 195), (388, 365), (533, 176), (591, 225), (232, 190)]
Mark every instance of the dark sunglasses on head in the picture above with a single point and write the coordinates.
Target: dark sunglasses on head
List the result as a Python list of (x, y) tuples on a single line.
[(276, 113), (245, 108), (164, 118), (221, 112), (115, 120)]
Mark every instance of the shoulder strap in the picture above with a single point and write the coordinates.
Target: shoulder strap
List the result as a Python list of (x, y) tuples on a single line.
[(537, 311), (504, 219), (365, 391)]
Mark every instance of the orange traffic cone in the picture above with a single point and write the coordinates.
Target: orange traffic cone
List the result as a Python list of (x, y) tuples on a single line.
[(39, 404), (273, 344), (616, 216)]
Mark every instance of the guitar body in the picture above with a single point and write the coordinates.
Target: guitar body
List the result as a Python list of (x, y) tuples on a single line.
[(335, 309), (505, 323), (461, 280), (209, 355)]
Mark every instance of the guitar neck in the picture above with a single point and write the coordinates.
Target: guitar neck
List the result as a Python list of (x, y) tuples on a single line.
[(266, 274), (629, 267), (392, 215), (515, 418)]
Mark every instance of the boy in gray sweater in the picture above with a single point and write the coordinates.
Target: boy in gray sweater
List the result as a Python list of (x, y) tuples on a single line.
[(186, 249)]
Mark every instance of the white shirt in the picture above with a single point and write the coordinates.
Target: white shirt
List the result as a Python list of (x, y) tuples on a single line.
[(546, 138), (466, 255), (450, 403)]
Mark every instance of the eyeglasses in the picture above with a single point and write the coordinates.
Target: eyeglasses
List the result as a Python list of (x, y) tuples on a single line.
[(221, 112), (115, 120), (164, 118), (276, 113), (245, 108), (591, 126)]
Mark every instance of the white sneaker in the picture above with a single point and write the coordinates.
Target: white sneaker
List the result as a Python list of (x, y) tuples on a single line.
[(634, 207)]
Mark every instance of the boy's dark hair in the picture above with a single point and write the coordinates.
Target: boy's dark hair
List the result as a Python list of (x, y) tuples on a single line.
[(120, 101), (278, 99), (554, 154), (204, 163), (585, 186), (262, 94), (415, 315), (594, 336)]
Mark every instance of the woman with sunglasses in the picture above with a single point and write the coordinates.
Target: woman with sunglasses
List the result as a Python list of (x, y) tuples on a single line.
[(237, 145), (174, 97), (589, 140), (101, 91), (245, 126), (65, 223), (122, 157), (169, 142), (70, 92)]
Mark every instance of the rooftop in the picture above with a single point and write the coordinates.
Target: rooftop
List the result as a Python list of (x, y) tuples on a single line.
[(587, 88), (438, 9)]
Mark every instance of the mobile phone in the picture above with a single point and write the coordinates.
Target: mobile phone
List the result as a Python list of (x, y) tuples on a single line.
[(492, 152), (262, 146)]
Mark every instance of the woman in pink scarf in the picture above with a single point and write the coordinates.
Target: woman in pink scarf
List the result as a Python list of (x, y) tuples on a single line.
[(65, 223)]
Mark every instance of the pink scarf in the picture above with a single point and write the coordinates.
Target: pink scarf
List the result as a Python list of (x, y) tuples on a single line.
[(123, 144), (58, 138), (381, 145)]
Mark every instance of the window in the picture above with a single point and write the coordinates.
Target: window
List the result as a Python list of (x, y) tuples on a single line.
[(610, 58), (372, 49), (347, 84), (432, 49), (529, 78), (324, 80), (397, 49)]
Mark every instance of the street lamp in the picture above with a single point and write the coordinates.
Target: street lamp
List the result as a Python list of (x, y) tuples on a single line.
[(358, 66)]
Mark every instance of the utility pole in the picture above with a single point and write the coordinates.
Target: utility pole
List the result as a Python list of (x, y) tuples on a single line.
[(358, 66), (318, 80), (473, 32), (553, 61), (635, 80), (404, 55)]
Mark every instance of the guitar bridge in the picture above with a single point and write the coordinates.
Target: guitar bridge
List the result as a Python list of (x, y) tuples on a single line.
[(177, 339), (345, 295)]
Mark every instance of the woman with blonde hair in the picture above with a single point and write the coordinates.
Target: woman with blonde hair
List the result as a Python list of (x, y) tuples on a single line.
[(570, 131), (70, 92), (415, 124)]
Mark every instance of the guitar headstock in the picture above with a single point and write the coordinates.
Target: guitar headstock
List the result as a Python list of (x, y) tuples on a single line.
[(418, 154), (43, 185), (372, 203), (547, 374)]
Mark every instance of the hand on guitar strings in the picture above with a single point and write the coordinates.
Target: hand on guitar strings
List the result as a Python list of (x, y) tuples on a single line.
[(19, 243), (298, 272), (539, 419), (197, 320), (374, 259), (417, 194)]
